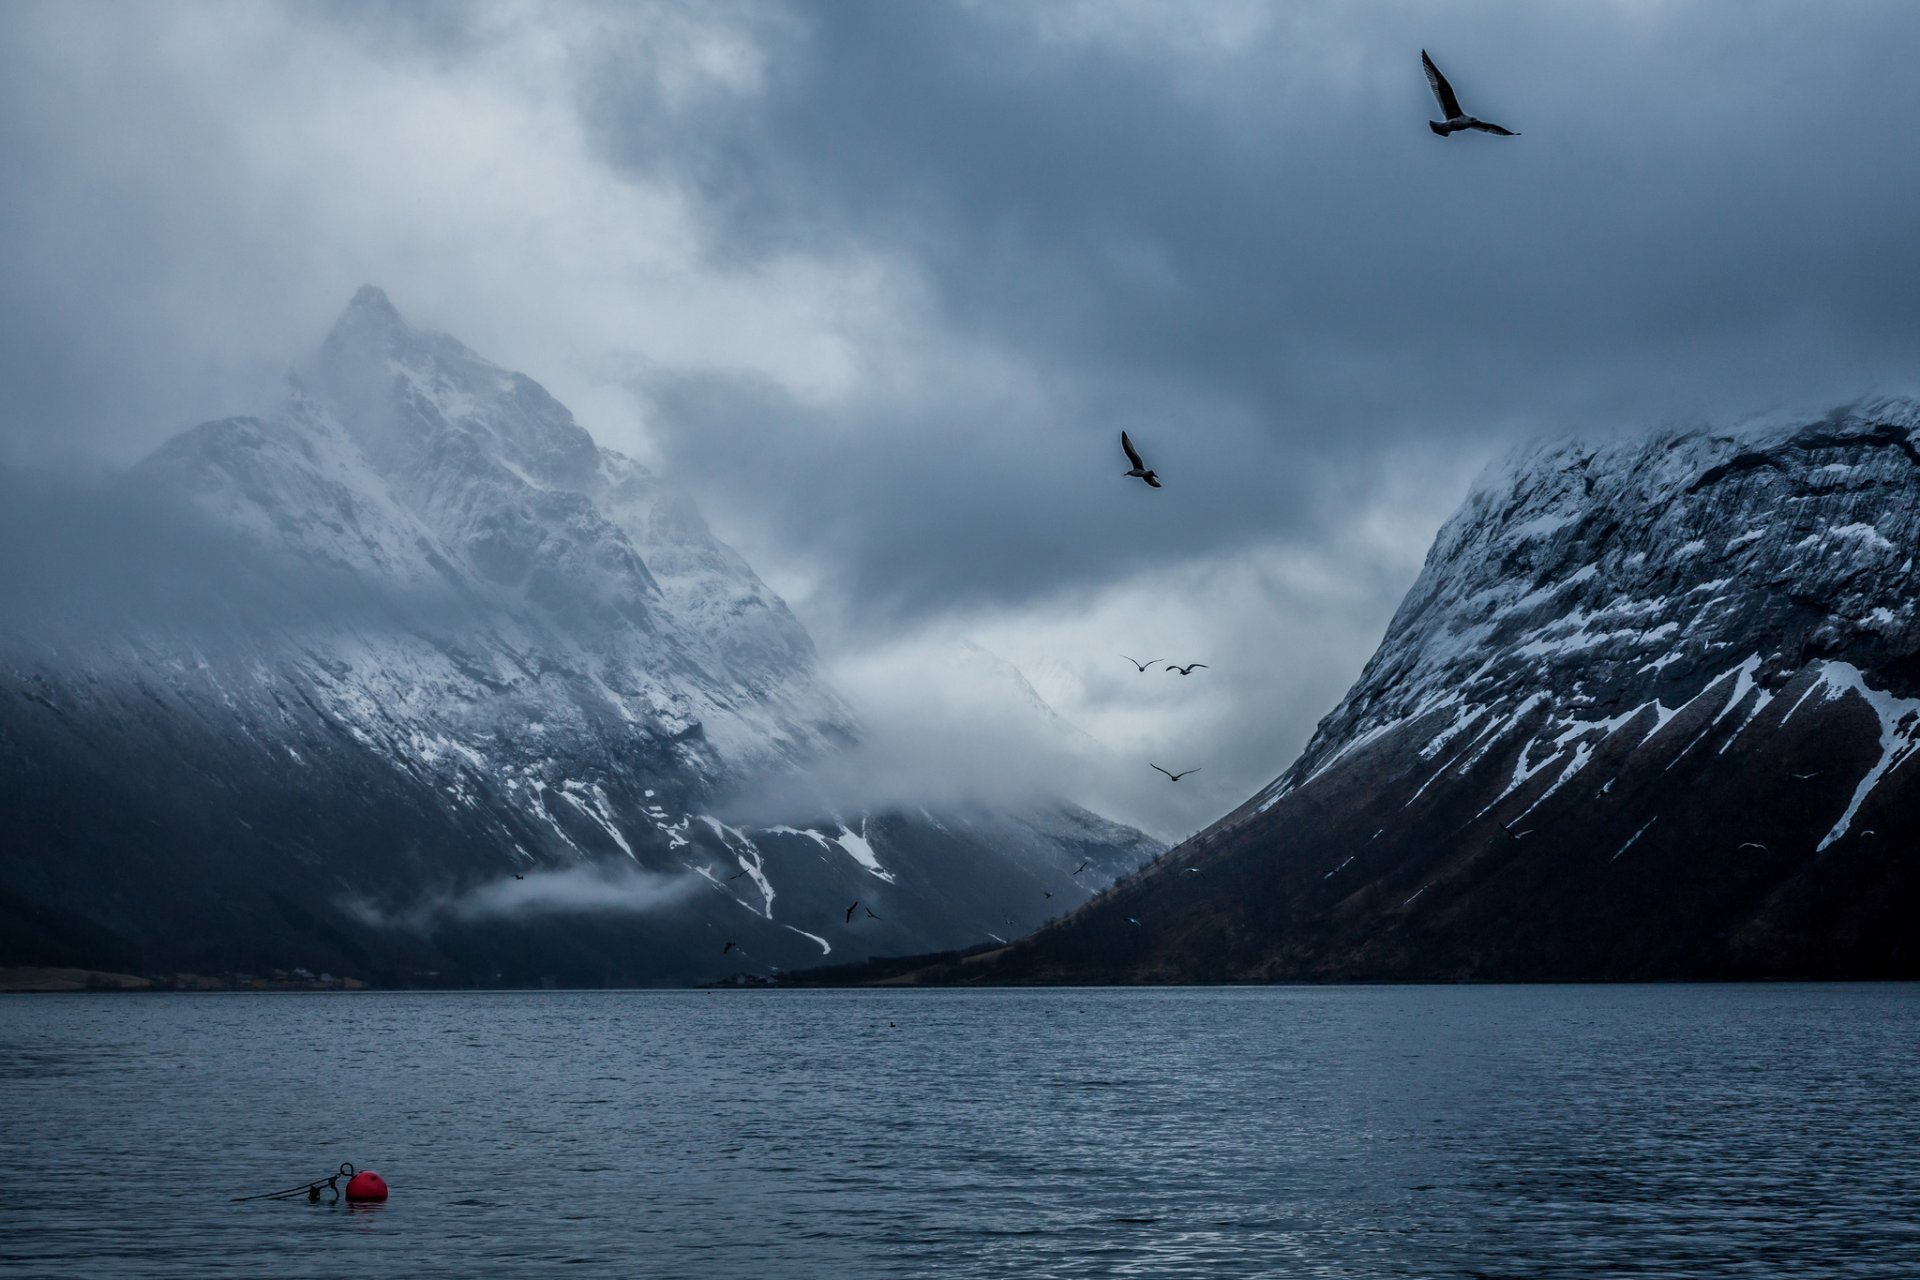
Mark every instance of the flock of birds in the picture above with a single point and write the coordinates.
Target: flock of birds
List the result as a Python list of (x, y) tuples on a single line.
[(1141, 471), (1455, 120)]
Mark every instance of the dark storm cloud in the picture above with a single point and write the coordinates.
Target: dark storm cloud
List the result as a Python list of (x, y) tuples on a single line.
[(1259, 260), (894, 276), (194, 190)]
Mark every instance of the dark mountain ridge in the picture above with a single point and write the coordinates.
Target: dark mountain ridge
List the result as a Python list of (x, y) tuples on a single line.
[(1647, 713)]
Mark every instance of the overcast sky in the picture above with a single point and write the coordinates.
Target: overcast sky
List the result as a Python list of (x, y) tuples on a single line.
[(880, 282)]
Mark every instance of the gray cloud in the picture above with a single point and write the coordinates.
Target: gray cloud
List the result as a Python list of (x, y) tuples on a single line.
[(1276, 275), (595, 889), (882, 282)]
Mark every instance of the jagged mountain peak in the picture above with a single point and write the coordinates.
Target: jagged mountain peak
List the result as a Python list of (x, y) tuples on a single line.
[(369, 324), (418, 465), (417, 399), (371, 301), (425, 632)]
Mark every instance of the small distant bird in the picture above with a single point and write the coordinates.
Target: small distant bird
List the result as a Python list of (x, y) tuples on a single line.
[(1132, 921), (856, 902), (736, 875), (1191, 871), (1456, 119), (1142, 665), (1139, 467), (870, 914), (1189, 669), (1083, 866), (518, 876), (1175, 776), (1048, 892), (726, 948), (1804, 776), (1755, 844)]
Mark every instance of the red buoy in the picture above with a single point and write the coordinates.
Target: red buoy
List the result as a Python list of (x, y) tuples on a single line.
[(366, 1185)]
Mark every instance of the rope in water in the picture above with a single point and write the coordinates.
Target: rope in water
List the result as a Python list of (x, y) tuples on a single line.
[(310, 1189)]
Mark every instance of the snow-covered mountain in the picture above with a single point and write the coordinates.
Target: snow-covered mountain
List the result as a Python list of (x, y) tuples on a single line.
[(411, 675), (1649, 710)]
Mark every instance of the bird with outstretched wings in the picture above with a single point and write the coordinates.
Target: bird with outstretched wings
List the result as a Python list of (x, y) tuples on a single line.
[(1140, 469), (1456, 119)]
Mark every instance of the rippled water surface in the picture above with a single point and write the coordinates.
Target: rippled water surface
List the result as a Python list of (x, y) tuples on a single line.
[(1486, 1131)]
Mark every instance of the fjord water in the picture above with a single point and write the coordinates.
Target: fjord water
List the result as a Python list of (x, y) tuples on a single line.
[(1342, 1131)]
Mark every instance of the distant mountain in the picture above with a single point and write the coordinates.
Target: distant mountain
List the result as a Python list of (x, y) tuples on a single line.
[(413, 678), (1648, 712)]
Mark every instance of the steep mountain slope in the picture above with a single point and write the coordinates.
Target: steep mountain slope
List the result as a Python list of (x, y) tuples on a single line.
[(1648, 712), (412, 676)]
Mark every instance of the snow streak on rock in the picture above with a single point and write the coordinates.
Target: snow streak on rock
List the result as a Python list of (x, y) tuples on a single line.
[(1586, 591)]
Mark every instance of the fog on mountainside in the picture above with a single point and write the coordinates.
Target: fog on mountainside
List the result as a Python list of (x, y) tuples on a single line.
[(411, 676)]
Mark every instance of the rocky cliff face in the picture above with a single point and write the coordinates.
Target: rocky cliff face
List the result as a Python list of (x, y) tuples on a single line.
[(412, 676), (1647, 712)]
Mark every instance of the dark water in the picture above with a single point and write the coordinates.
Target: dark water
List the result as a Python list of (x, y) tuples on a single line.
[(1492, 1131)]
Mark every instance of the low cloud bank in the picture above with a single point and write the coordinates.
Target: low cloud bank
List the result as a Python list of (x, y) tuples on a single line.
[(589, 889)]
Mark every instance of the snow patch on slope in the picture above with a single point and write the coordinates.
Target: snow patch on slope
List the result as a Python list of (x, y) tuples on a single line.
[(858, 848), (1899, 734)]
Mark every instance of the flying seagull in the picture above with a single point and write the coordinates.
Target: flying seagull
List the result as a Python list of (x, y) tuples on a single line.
[(1048, 892), (1139, 467), (1755, 844), (726, 948), (870, 914), (1189, 669), (1175, 776), (1456, 119), (736, 875), (1083, 866), (1132, 921), (518, 876), (856, 902), (1804, 776), (1141, 665)]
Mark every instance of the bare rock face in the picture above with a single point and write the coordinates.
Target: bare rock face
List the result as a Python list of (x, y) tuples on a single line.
[(1648, 712), (311, 690)]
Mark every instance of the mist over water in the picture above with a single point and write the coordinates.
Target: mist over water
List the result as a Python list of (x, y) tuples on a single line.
[(1429, 1132)]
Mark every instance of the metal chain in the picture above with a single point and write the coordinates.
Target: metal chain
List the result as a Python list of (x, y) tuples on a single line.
[(310, 1189)]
